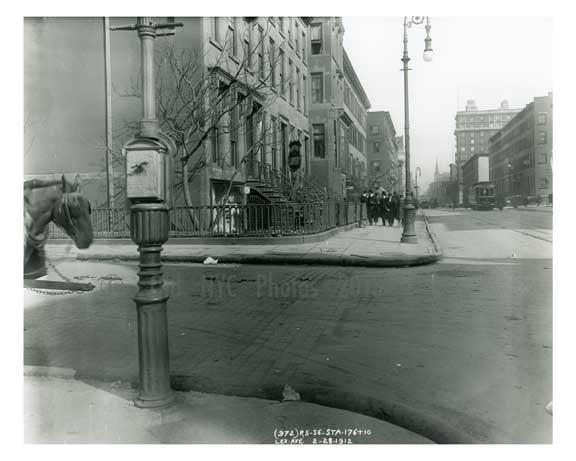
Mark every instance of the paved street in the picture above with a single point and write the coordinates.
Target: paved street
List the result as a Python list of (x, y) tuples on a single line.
[(459, 351)]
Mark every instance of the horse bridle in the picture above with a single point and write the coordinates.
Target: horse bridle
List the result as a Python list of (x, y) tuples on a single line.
[(66, 206)]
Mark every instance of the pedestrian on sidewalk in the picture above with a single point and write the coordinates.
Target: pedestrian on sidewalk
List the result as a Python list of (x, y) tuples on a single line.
[(383, 207), (372, 206), (401, 209)]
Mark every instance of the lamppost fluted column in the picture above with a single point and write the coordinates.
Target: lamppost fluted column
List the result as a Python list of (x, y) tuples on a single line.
[(409, 231)]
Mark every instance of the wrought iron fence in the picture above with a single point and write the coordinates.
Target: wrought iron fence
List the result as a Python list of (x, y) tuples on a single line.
[(261, 220)]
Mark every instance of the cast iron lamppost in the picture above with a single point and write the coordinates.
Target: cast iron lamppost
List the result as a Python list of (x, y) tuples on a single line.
[(148, 187), (409, 232)]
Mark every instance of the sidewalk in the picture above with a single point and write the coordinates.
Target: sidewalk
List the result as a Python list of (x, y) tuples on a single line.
[(370, 246), (61, 409)]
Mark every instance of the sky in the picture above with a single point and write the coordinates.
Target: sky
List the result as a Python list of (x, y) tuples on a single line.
[(487, 59)]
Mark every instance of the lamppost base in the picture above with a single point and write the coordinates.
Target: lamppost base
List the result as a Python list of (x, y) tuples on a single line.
[(158, 403), (409, 232)]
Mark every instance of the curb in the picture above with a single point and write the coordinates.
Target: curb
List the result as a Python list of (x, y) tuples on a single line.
[(216, 241), (49, 372), (314, 259)]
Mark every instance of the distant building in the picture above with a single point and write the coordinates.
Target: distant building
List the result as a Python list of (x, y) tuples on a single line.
[(438, 189), (382, 152), (521, 152), (338, 109), (473, 130)]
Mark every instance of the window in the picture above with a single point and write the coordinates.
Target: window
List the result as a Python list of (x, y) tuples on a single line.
[(316, 32), (375, 129), (215, 146), (261, 69), (215, 29), (297, 37), (281, 70), (290, 82), (376, 147), (247, 50), (542, 137), (317, 88), (319, 147), (274, 142), (304, 90), (376, 166), (542, 159), (542, 119), (233, 35), (234, 132), (297, 88), (272, 62), (305, 156), (543, 183), (283, 25), (303, 47)]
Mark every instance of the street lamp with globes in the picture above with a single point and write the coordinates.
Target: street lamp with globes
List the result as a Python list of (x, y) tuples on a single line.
[(409, 231)]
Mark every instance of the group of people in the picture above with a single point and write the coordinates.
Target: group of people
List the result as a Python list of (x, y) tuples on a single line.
[(381, 205)]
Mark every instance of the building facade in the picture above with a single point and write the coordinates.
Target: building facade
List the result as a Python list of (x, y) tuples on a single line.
[(338, 109), (473, 130), (252, 141), (67, 118), (521, 152), (382, 152)]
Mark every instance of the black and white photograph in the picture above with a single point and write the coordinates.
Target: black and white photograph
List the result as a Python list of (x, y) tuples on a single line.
[(286, 230)]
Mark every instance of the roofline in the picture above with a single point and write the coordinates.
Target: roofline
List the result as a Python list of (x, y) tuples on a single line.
[(348, 68)]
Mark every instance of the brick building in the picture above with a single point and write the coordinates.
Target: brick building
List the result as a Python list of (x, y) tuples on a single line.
[(382, 152), (473, 130), (521, 152), (338, 109)]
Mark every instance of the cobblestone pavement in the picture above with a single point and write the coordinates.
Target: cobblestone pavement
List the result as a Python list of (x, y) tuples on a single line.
[(458, 352)]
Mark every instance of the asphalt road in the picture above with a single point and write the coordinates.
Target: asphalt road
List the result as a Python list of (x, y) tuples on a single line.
[(460, 351)]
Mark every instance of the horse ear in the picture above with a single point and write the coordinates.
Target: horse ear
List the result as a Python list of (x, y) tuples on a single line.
[(76, 185)]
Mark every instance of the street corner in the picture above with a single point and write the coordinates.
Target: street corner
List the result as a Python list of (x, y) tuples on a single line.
[(62, 409)]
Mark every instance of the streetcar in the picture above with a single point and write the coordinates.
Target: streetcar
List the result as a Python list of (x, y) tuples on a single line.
[(481, 196)]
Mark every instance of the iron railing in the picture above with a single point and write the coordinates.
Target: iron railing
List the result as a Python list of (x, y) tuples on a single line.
[(262, 220)]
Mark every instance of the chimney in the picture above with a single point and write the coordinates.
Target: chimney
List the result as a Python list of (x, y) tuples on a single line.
[(470, 105)]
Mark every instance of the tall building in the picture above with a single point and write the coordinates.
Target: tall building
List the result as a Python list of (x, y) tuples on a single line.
[(338, 109), (473, 130), (521, 152), (382, 151)]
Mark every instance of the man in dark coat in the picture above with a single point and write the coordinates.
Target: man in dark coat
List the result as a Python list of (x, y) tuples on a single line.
[(383, 207), (390, 212), (396, 206), (372, 206)]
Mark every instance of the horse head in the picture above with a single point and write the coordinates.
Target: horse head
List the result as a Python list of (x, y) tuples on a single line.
[(73, 214)]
